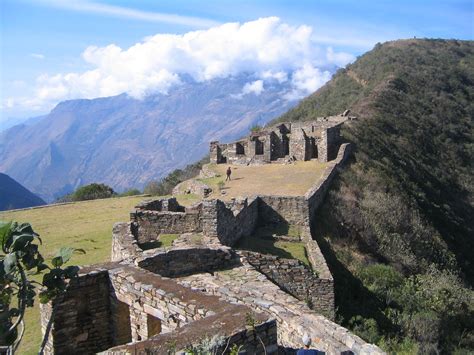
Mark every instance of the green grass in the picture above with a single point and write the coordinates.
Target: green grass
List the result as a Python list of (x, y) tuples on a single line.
[(164, 241), (212, 182), (86, 225), (167, 239), (263, 242)]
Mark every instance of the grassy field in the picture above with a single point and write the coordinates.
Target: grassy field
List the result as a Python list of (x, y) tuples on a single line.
[(86, 225), (291, 179)]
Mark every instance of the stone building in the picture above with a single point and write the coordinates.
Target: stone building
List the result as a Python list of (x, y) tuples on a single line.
[(319, 139), (152, 299)]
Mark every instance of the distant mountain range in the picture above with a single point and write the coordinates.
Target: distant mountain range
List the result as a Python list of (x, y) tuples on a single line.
[(125, 142), (13, 195)]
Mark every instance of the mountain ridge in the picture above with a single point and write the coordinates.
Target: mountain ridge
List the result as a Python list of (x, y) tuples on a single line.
[(125, 142), (397, 226), (13, 195)]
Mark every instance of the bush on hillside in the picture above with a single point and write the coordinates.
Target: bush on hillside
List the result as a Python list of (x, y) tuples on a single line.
[(131, 192), (406, 200), (89, 192)]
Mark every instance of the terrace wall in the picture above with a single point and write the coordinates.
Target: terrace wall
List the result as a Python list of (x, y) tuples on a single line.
[(297, 279)]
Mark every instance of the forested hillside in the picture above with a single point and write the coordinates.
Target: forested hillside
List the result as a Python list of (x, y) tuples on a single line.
[(398, 224)]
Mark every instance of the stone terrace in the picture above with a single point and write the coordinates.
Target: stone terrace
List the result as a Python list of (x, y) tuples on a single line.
[(245, 285), (270, 179), (164, 299)]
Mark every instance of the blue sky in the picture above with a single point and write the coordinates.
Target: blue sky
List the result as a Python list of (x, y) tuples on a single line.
[(43, 38)]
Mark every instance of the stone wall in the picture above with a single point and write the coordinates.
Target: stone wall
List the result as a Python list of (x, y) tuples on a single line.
[(112, 304), (187, 261), (164, 204), (229, 222), (245, 285), (298, 143), (298, 140), (283, 209), (151, 223), (124, 242), (81, 317), (217, 327), (149, 303), (315, 195), (297, 279)]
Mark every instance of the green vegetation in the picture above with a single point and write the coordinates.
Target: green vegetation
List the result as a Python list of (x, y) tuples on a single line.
[(216, 183), (20, 260), (164, 241), (397, 226), (262, 241), (166, 185), (89, 192), (130, 192), (256, 128)]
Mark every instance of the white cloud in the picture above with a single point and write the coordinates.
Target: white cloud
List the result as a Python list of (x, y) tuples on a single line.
[(267, 48), (306, 80), (37, 55), (280, 76), (255, 87)]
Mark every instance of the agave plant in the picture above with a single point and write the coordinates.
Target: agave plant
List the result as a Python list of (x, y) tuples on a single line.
[(20, 258)]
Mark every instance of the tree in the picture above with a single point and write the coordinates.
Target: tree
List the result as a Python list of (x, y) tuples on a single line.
[(92, 192), (19, 260)]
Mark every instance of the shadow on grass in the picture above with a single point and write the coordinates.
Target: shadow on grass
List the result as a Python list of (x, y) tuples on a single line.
[(165, 240), (264, 245), (262, 241), (151, 245)]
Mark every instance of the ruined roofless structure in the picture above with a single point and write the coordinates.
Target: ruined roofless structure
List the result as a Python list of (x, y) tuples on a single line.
[(318, 139), (203, 288)]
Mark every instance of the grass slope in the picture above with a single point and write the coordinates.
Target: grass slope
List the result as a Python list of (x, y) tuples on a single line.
[(399, 221), (86, 225)]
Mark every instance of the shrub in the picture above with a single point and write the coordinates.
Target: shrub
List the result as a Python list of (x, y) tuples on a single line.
[(131, 192), (92, 192)]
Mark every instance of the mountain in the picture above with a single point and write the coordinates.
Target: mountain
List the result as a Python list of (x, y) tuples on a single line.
[(398, 226), (124, 142), (12, 121), (13, 195)]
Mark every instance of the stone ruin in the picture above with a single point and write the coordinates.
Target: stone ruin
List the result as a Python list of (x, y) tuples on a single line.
[(152, 299), (318, 139)]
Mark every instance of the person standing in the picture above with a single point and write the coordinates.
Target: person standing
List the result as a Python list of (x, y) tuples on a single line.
[(306, 350), (228, 173)]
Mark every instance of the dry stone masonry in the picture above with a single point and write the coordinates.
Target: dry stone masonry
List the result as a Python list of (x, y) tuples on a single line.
[(318, 139), (161, 300)]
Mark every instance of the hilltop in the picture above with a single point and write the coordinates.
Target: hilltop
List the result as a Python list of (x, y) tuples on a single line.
[(401, 215), (14, 195)]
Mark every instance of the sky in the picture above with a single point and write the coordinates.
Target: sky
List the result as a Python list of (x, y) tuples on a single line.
[(54, 50)]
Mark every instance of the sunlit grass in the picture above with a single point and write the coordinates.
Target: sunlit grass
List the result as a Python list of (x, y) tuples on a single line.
[(263, 242), (86, 225)]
